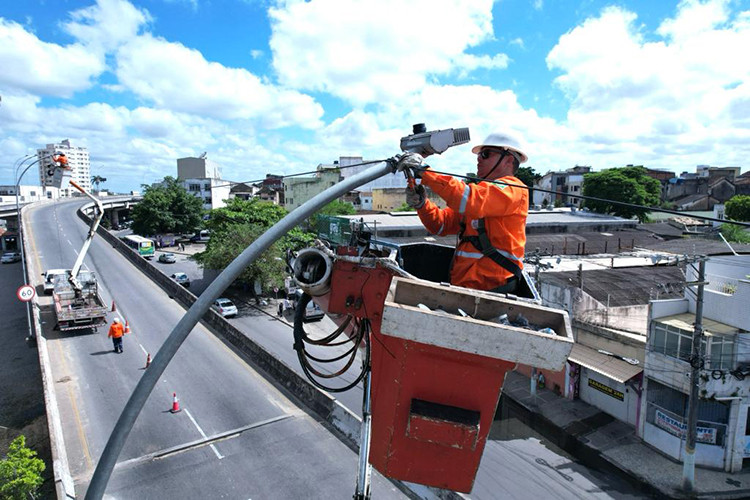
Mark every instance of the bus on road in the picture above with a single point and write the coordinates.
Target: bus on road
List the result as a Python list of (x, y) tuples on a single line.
[(144, 246)]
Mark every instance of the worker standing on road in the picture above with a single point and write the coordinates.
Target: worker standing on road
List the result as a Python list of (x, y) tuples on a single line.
[(489, 218), (116, 332)]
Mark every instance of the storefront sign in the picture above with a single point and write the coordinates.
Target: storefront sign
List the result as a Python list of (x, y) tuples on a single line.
[(679, 428), (606, 389)]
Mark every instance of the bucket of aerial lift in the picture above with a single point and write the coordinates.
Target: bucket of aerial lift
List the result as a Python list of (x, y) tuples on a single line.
[(437, 375)]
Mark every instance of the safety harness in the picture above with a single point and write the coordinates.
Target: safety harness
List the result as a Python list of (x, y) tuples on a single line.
[(482, 243)]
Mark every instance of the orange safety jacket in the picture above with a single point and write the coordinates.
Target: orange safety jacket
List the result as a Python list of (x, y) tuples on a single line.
[(500, 208), (116, 330), (61, 159)]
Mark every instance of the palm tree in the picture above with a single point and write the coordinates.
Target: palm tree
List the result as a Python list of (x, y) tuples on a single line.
[(97, 179)]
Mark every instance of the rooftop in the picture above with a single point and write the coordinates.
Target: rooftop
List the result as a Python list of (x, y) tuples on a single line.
[(624, 286)]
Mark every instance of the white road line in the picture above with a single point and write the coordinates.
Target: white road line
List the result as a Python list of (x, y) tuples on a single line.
[(219, 455)]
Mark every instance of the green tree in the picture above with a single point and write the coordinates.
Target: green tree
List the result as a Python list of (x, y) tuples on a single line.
[(528, 176), (167, 208), (628, 184), (734, 233), (236, 226), (98, 179), (738, 208), (20, 471)]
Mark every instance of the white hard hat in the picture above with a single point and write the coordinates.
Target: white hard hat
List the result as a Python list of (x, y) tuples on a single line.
[(502, 140), (117, 320)]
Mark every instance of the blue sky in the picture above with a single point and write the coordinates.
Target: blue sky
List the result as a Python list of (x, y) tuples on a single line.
[(282, 86)]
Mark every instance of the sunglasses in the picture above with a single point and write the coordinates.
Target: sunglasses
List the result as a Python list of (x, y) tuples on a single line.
[(486, 153)]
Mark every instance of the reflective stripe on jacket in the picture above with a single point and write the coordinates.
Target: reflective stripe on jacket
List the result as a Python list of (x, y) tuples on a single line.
[(504, 209), (116, 330)]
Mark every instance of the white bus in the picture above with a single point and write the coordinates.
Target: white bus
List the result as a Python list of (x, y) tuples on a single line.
[(144, 246)]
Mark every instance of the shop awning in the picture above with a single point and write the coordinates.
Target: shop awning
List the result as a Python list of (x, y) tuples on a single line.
[(607, 365)]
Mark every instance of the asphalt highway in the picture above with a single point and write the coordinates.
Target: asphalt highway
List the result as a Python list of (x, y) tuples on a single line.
[(237, 434)]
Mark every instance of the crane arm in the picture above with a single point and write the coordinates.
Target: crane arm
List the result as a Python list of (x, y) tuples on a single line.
[(92, 230)]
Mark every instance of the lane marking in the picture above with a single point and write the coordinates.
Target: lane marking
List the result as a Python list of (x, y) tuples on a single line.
[(222, 436), (218, 455)]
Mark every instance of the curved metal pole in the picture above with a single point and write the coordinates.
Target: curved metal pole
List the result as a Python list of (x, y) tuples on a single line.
[(180, 332)]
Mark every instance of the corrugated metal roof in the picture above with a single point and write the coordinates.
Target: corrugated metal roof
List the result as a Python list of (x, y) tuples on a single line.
[(624, 286), (609, 366)]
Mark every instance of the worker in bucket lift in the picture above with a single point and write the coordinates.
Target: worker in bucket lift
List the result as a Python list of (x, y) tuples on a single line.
[(61, 161), (489, 218)]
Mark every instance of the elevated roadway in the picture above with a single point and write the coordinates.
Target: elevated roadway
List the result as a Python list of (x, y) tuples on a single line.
[(238, 434)]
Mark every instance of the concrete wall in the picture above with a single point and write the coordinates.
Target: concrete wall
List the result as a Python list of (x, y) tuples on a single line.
[(624, 410)]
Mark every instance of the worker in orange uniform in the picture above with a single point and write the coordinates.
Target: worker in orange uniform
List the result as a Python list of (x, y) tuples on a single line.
[(116, 331), (61, 160), (489, 218)]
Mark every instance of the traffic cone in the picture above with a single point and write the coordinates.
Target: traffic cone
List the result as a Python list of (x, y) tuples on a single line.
[(175, 403), (148, 360), (113, 306), (127, 327)]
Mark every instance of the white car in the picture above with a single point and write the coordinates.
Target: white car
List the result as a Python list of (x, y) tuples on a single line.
[(181, 278), (10, 257), (225, 307)]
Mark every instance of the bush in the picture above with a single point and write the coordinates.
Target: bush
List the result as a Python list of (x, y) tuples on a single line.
[(738, 208), (20, 472)]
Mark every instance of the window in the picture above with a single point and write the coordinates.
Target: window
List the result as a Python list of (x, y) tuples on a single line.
[(718, 350), (194, 187)]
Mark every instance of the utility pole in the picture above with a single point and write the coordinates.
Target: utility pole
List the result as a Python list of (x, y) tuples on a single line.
[(696, 361)]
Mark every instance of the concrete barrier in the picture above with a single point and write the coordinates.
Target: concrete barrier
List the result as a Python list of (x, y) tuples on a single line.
[(324, 405)]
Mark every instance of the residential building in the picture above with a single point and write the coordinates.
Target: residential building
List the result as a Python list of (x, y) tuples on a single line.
[(78, 161), (271, 189), (568, 182), (298, 190), (724, 363), (243, 191), (201, 177), (390, 199)]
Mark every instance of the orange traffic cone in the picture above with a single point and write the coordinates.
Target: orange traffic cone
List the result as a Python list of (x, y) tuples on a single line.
[(113, 306), (175, 403), (148, 360), (127, 327)]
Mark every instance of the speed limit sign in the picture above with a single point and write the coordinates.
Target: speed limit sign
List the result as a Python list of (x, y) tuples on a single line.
[(25, 293)]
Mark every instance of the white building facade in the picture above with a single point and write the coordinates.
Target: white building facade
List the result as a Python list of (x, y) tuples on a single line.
[(78, 161), (723, 438), (201, 177)]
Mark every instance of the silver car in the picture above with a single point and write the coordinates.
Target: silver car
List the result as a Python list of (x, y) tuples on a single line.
[(181, 278), (10, 257)]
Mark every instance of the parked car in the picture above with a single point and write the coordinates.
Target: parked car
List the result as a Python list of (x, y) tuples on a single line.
[(313, 312), (201, 237), (167, 258), (225, 307), (10, 257), (181, 278), (49, 278)]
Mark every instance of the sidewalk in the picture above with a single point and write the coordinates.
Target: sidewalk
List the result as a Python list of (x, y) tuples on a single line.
[(585, 430)]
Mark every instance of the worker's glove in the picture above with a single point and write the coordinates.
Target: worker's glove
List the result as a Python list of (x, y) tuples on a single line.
[(410, 161), (416, 196)]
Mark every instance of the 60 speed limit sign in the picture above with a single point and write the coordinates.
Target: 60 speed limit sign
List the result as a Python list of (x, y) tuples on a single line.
[(25, 293)]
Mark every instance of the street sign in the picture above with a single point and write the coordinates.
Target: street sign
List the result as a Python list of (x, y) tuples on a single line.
[(25, 293)]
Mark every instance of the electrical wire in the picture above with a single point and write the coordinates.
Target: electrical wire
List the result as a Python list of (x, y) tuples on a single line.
[(301, 337)]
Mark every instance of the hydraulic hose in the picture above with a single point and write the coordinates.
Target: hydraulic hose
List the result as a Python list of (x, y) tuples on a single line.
[(148, 381)]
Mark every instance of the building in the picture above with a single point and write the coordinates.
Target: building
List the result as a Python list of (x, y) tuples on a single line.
[(201, 177), (567, 182), (390, 199), (271, 189), (27, 194), (78, 160), (724, 363), (298, 190)]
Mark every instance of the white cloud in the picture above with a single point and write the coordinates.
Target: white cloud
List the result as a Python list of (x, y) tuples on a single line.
[(46, 69), (179, 78), (656, 100), (107, 24), (371, 50)]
